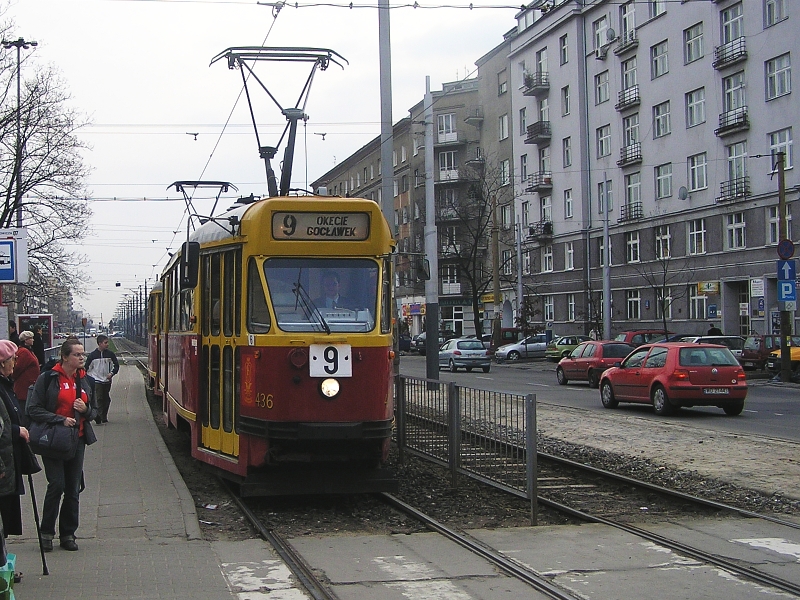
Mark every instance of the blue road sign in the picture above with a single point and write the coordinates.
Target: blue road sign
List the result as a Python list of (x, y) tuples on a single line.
[(7, 260), (786, 270), (787, 291), (712, 311)]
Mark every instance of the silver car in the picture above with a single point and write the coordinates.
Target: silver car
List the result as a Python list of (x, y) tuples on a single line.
[(464, 354), (533, 346)]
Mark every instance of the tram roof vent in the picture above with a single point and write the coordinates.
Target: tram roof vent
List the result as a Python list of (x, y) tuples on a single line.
[(247, 200)]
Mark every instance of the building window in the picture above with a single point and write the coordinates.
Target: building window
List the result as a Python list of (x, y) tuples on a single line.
[(507, 262), (633, 188), (697, 171), (659, 60), (523, 121), (663, 174), (781, 141), (502, 82), (599, 32), (526, 263), (601, 88), (774, 11), (695, 107), (732, 23), (566, 147), (693, 43), (502, 127), (396, 187), (737, 160), (563, 49), (546, 209), (632, 247), (569, 256), (524, 210), (632, 305), (570, 307), (697, 303), (629, 78), (605, 195), (568, 204), (735, 228), (664, 303), (603, 141), (549, 308), (372, 171), (394, 158), (628, 20), (544, 159), (697, 236), (506, 212), (774, 224), (523, 168), (601, 252), (733, 92), (630, 129), (565, 106), (505, 172), (657, 7), (447, 128), (447, 161), (544, 109), (663, 242), (779, 76), (547, 259), (661, 120)]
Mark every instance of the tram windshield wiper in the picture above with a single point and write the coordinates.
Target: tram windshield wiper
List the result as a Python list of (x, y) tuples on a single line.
[(310, 309)]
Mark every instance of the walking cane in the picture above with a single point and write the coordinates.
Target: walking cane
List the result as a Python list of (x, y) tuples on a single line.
[(38, 530)]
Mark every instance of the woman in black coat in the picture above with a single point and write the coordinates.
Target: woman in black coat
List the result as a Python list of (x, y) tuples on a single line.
[(13, 419)]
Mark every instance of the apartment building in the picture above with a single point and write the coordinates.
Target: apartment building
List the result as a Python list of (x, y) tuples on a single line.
[(664, 118)]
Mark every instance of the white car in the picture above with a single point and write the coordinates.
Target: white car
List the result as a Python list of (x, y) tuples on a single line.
[(533, 346), (734, 343)]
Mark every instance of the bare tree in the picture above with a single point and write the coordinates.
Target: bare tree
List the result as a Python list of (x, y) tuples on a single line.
[(51, 195)]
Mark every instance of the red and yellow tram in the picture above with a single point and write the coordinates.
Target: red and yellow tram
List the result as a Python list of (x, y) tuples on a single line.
[(271, 339)]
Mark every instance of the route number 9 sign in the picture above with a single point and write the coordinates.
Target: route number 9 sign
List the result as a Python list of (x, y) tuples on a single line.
[(330, 360)]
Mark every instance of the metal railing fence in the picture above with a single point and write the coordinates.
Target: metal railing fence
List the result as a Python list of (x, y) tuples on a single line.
[(482, 434)]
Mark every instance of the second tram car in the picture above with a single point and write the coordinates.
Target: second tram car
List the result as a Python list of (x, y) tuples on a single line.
[(273, 343)]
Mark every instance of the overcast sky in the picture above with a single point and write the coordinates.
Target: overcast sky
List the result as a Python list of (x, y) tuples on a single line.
[(139, 70)]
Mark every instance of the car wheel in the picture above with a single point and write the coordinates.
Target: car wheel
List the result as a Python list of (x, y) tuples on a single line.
[(607, 396), (661, 403), (453, 367), (565, 353), (594, 379), (734, 409), (561, 376), (486, 369), (513, 355)]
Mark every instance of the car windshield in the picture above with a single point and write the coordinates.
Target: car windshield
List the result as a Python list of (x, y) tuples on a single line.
[(471, 345), (616, 350), (689, 357), (337, 295)]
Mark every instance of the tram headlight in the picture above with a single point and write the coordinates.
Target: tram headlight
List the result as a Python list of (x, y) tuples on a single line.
[(329, 388)]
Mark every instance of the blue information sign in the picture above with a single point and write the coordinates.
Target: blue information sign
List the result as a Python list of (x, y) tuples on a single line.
[(7, 272), (786, 270), (787, 291)]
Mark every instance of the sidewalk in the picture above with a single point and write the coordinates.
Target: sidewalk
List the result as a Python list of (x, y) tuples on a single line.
[(138, 535)]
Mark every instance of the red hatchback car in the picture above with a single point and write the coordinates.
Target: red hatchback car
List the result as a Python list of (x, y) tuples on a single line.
[(674, 375), (588, 361)]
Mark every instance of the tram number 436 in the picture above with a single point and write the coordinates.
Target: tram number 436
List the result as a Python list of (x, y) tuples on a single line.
[(330, 360)]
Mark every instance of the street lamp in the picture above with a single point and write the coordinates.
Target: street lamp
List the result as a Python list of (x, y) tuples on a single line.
[(19, 45)]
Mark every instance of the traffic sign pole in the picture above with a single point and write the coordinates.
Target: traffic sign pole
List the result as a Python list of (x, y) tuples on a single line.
[(785, 252)]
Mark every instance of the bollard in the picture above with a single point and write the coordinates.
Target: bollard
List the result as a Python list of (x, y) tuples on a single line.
[(530, 455)]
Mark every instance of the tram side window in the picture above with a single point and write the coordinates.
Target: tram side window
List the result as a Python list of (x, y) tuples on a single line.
[(258, 319), (186, 305), (237, 292), (227, 294), (386, 298), (206, 299), (215, 294)]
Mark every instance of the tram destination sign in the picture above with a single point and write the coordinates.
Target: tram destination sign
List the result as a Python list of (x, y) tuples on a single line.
[(320, 226)]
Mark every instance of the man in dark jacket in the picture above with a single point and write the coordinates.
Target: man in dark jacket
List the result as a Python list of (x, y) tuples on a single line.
[(38, 344), (13, 336), (101, 365)]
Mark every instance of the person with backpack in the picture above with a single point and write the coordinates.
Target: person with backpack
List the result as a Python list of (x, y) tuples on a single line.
[(101, 365), (63, 395)]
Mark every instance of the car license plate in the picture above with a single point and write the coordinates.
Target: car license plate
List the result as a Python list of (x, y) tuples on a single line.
[(330, 360), (714, 391)]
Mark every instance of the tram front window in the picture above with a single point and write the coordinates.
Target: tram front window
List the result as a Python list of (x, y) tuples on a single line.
[(336, 295)]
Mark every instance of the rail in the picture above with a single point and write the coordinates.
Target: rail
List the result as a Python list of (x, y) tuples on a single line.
[(485, 435)]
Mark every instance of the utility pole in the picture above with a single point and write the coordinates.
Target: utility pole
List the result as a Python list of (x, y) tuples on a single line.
[(783, 234), (431, 247), (19, 45), (495, 275)]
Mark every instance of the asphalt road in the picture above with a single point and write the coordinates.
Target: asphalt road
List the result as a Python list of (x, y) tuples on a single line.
[(771, 409)]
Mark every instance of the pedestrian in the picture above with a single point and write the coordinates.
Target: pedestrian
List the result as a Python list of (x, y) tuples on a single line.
[(13, 336), (26, 370), (714, 330), (101, 365), (11, 486), (63, 394), (38, 344)]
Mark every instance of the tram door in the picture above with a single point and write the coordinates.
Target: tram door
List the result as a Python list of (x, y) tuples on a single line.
[(219, 362)]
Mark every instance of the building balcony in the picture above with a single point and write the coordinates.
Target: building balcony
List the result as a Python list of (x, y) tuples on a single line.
[(630, 211), (450, 138), (627, 42), (734, 189), (539, 133), (541, 230), (729, 54), (628, 98), (451, 289), (733, 121), (450, 249), (542, 181), (474, 116), (448, 174), (536, 84), (446, 212), (630, 155)]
